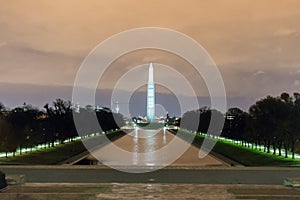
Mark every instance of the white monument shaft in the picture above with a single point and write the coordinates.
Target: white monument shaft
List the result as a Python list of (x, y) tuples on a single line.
[(150, 95)]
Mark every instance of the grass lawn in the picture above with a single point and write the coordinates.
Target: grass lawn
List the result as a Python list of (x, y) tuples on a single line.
[(50, 155), (246, 156), (54, 155)]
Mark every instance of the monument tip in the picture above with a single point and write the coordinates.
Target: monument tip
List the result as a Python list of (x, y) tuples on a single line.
[(150, 78)]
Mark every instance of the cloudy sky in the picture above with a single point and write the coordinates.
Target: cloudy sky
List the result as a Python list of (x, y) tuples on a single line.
[(255, 43)]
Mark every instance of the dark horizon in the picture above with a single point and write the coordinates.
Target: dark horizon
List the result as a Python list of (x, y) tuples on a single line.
[(37, 95)]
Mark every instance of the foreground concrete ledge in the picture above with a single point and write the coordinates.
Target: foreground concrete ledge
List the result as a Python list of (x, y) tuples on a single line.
[(15, 179), (293, 182)]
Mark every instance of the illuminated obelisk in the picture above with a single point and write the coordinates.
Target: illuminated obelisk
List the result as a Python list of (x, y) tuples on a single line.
[(150, 95)]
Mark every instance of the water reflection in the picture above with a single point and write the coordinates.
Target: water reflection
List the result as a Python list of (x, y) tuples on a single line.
[(164, 137), (141, 147)]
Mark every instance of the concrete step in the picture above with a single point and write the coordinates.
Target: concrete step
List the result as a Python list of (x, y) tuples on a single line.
[(15, 179)]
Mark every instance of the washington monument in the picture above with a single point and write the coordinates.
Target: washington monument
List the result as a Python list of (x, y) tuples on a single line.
[(150, 95)]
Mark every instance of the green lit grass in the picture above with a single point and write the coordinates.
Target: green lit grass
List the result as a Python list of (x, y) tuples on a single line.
[(46, 156), (246, 156), (54, 155)]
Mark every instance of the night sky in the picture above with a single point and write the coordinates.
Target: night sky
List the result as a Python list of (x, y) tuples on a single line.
[(255, 44)]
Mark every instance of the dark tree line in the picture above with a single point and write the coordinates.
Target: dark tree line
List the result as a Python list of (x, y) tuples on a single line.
[(272, 122), (199, 120), (27, 126)]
